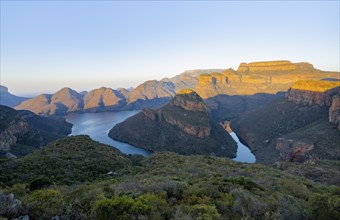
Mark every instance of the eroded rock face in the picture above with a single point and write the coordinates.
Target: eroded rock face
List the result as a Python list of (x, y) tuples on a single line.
[(314, 92), (28, 130), (183, 126), (282, 65), (294, 150), (334, 111)]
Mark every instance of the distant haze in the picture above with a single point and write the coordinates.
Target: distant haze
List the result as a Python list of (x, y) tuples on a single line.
[(47, 45)]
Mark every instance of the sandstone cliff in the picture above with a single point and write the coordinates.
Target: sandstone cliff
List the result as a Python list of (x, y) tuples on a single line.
[(183, 126), (312, 92)]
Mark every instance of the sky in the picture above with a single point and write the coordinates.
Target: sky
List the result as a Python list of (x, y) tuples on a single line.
[(47, 45)]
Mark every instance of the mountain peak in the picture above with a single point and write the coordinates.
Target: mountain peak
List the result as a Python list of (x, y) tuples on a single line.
[(189, 100)]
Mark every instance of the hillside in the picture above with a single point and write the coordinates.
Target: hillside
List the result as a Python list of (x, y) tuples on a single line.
[(183, 126), (163, 186), (295, 128), (22, 131), (67, 161)]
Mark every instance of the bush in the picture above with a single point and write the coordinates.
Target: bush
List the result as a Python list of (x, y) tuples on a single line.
[(122, 208), (40, 183), (44, 203), (324, 206), (204, 212)]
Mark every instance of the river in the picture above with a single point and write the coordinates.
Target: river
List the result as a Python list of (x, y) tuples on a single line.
[(98, 125)]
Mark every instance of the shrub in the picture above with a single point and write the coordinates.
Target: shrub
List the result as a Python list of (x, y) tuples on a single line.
[(204, 212), (122, 208), (324, 206), (44, 203), (40, 183)]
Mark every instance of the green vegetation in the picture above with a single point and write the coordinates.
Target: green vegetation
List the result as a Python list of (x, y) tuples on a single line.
[(163, 186), (71, 160)]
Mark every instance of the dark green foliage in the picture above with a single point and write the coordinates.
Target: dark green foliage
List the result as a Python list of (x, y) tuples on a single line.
[(324, 206), (67, 161), (162, 186), (123, 208), (39, 183), (44, 203)]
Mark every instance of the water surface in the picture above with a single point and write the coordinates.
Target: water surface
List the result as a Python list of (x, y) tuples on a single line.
[(98, 125), (243, 152)]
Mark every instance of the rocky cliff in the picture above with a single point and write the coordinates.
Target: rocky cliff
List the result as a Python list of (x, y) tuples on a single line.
[(334, 111), (312, 92), (8, 99), (183, 126), (295, 128), (23, 131)]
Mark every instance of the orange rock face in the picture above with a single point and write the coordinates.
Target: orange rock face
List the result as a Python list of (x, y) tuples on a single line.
[(313, 92)]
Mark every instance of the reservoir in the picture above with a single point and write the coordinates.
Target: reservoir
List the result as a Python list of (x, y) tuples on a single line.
[(98, 125)]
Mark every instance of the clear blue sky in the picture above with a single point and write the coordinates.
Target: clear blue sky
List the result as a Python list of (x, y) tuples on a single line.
[(87, 44)]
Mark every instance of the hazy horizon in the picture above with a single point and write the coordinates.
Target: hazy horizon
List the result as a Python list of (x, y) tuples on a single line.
[(46, 46)]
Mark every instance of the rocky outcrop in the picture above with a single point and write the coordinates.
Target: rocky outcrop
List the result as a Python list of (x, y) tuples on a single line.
[(183, 126), (26, 131), (8, 99), (281, 65), (313, 92), (294, 150), (334, 111), (10, 206)]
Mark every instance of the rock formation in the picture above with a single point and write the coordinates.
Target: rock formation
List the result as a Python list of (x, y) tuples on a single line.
[(334, 111), (281, 65), (23, 131), (8, 99), (183, 126), (312, 92)]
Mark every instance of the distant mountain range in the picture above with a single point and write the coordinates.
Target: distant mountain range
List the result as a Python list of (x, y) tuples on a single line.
[(8, 99), (216, 86)]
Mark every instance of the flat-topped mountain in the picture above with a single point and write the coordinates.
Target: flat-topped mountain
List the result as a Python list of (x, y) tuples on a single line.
[(8, 99), (183, 126), (302, 127), (23, 131)]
